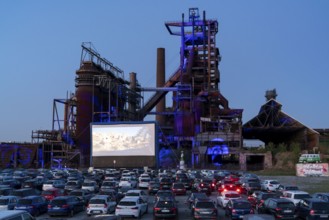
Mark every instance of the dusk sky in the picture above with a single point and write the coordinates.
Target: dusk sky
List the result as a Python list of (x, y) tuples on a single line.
[(281, 44)]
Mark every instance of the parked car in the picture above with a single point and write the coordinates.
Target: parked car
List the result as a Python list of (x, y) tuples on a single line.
[(6, 191), (33, 183), (91, 186), (131, 207), (164, 193), (178, 188), (165, 208), (204, 209), (8, 202), (224, 197), (25, 192), (35, 205), (295, 196), (278, 207), (101, 204), (109, 185), (138, 194), (66, 205), (312, 208), (193, 196), (258, 217), (83, 194), (269, 185), (52, 193), (16, 215), (282, 188), (144, 182), (250, 187), (72, 185), (321, 195), (153, 187), (237, 208)]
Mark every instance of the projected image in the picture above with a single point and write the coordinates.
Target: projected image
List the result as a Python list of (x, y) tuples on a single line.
[(123, 140)]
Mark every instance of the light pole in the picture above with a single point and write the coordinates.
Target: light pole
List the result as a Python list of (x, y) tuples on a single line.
[(114, 162)]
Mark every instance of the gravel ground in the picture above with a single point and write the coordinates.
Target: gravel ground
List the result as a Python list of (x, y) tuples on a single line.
[(308, 184)]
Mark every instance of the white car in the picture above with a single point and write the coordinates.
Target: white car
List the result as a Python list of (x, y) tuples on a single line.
[(92, 186), (226, 196), (131, 207), (144, 175), (295, 196), (125, 182), (137, 193), (100, 204), (269, 185), (144, 182)]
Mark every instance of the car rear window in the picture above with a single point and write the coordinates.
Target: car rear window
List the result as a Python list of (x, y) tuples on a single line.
[(25, 201), (47, 193), (58, 202), (132, 194), (252, 184), (205, 205), (4, 201), (286, 205), (302, 196), (127, 203), (88, 184), (167, 204), (178, 186), (77, 193), (97, 201), (242, 205), (274, 182)]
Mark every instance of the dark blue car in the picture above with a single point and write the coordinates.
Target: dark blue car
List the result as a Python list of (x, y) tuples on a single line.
[(35, 205), (237, 208), (66, 205)]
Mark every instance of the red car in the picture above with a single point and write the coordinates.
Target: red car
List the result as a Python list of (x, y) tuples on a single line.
[(50, 194), (178, 189)]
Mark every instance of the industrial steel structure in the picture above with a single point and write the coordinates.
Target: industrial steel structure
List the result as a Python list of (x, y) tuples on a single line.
[(199, 121)]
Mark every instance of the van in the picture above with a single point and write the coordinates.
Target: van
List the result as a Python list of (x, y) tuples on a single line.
[(16, 215), (309, 158)]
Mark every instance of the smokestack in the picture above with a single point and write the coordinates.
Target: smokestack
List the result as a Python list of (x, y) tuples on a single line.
[(161, 71)]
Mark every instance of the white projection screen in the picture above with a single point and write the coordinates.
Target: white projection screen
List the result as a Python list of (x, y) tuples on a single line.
[(123, 139)]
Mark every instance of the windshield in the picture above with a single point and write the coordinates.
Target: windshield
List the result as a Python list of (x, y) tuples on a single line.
[(76, 193), (24, 202), (302, 196), (132, 194), (232, 195), (97, 201), (242, 205), (127, 203)]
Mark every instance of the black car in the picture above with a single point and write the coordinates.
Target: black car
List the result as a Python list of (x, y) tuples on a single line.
[(165, 183), (153, 187), (13, 183), (323, 196), (33, 183), (164, 194), (83, 194), (204, 209), (6, 191), (205, 187), (262, 196), (237, 208), (193, 196), (312, 208), (66, 205), (26, 192), (165, 208), (251, 187), (279, 207), (72, 185)]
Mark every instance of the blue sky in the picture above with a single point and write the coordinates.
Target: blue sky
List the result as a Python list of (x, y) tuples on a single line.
[(264, 45)]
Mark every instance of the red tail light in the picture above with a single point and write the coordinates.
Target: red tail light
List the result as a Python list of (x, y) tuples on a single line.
[(65, 206), (49, 206), (278, 209), (252, 211), (156, 209), (213, 184), (312, 212), (201, 184), (173, 209)]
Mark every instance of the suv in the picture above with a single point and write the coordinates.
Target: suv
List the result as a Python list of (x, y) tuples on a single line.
[(165, 208), (295, 196), (279, 207), (269, 185), (204, 208), (312, 208), (309, 158)]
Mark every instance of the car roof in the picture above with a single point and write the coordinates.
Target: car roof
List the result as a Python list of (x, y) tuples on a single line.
[(280, 199), (9, 213), (315, 200), (296, 192)]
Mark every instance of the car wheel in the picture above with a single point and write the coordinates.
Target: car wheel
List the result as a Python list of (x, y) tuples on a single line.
[(72, 213), (139, 215), (37, 213)]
